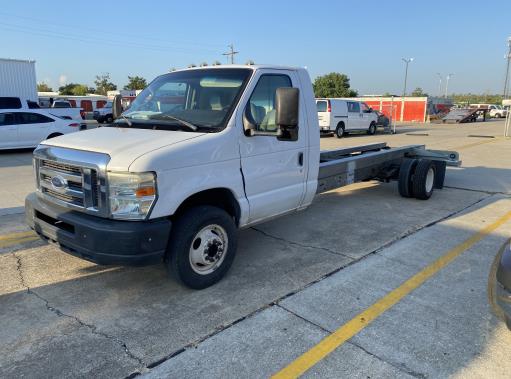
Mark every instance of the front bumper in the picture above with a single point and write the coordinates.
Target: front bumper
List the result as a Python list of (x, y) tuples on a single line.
[(97, 239), (503, 287)]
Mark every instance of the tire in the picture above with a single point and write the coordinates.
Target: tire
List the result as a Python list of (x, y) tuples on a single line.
[(492, 284), (339, 131), (53, 135), (497, 115), (189, 233), (372, 129), (406, 172), (109, 119), (424, 179)]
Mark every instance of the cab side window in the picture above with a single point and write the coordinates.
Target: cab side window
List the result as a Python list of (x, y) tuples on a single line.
[(365, 108), (262, 102)]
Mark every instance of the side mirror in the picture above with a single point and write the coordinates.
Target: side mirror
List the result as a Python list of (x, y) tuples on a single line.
[(370, 110), (286, 107), (117, 106)]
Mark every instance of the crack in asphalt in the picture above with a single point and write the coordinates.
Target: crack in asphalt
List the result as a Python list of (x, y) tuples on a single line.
[(476, 190), (400, 366), (93, 329), (301, 244)]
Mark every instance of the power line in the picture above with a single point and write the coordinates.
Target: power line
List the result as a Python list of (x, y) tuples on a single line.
[(102, 32), (231, 53), (94, 40)]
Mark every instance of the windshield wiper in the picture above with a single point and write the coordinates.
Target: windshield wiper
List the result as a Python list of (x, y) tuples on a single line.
[(182, 122)]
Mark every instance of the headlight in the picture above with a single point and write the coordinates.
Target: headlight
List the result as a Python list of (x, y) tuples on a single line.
[(132, 195)]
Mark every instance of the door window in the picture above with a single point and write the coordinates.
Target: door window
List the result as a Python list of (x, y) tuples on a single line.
[(365, 108), (353, 107), (32, 118), (6, 119), (262, 102)]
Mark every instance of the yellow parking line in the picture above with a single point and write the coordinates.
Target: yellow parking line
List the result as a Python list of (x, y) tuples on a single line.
[(363, 319), (11, 239)]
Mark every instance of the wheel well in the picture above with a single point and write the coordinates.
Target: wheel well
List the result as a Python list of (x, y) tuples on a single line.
[(54, 135), (218, 197), (341, 123)]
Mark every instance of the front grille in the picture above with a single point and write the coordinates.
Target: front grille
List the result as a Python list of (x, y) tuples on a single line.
[(62, 167), (75, 186), (63, 197)]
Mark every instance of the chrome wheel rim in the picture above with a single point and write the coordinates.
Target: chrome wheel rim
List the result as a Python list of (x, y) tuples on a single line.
[(430, 179), (208, 249)]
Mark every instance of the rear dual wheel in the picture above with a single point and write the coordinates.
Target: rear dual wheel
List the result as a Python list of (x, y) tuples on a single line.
[(417, 178)]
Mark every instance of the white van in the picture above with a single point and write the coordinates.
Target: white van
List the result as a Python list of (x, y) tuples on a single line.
[(340, 116)]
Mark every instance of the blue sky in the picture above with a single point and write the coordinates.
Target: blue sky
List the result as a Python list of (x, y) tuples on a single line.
[(72, 41)]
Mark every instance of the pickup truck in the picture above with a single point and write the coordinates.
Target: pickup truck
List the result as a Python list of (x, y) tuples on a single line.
[(200, 154)]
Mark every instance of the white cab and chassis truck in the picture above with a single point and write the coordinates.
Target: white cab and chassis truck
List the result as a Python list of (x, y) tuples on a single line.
[(200, 154)]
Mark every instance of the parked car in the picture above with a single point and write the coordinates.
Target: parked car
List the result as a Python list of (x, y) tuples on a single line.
[(104, 114), (341, 116), (497, 111), (27, 128), (499, 284), (382, 120)]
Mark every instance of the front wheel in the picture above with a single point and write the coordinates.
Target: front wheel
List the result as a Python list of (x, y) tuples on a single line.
[(109, 119), (202, 246), (372, 129)]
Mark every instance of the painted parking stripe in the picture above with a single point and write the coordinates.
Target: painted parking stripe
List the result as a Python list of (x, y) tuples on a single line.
[(12, 239), (363, 319)]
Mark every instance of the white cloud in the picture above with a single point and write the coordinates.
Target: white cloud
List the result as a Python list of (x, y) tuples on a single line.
[(62, 80)]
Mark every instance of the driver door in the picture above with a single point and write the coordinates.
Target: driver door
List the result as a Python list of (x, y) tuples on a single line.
[(273, 169)]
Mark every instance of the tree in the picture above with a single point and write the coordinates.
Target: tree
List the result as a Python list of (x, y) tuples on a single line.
[(216, 63), (192, 65), (333, 85), (135, 82), (204, 64), (419, 92), (43, 87), (74, 89), (103, 84), (250, 62)]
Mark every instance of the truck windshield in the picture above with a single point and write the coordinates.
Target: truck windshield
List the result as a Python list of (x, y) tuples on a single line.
[(203, 97)]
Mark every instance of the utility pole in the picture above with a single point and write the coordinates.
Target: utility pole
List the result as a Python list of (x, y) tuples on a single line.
[(231, 52), (407, 61), (506, 82), (449, 76), (439, 84)]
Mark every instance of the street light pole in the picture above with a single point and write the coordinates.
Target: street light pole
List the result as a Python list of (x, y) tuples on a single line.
[(407, 61), (449, 76), (506, 82), (439, 84)]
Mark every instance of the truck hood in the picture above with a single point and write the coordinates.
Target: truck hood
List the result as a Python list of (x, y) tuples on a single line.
[(123, 145)]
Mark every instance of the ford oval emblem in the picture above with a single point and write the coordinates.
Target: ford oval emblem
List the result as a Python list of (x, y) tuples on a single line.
[(58, 182)]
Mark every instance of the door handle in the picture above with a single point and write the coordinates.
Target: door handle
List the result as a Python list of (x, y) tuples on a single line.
[(300, 158)]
